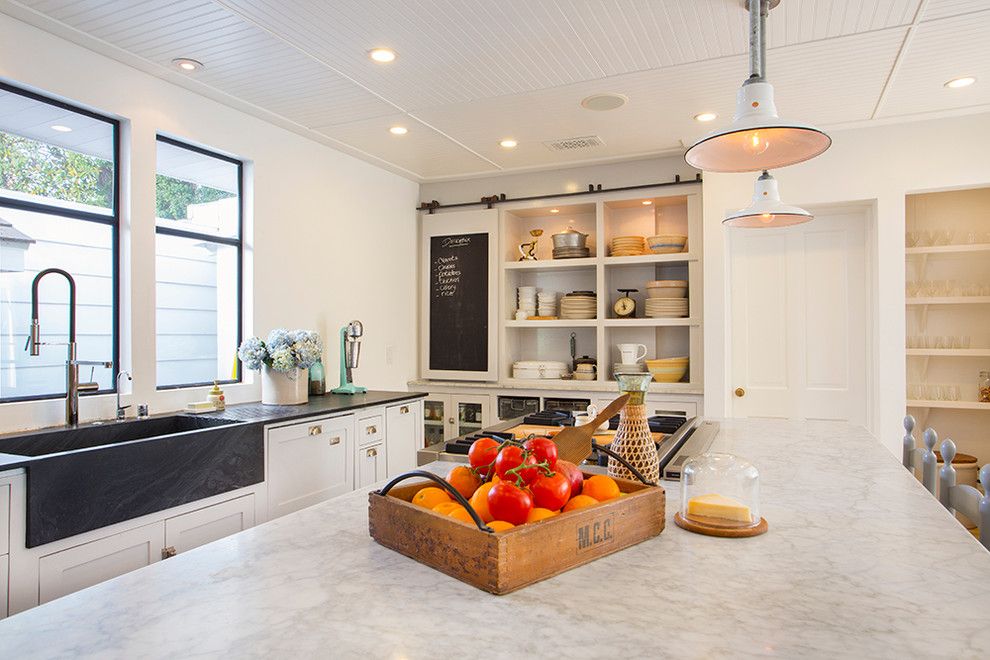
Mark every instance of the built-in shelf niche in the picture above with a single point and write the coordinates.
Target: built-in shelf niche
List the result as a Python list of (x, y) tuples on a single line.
[(518, 223)]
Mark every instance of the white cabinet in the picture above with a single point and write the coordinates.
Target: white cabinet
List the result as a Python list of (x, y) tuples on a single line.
[(447, 416), (199, 527), (84, 565), (308, 463), (4, 518), (370, 430), (371, 464), (4, 583), (403, 436)]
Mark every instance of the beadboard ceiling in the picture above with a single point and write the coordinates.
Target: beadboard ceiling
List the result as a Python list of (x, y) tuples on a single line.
[(472, 72)]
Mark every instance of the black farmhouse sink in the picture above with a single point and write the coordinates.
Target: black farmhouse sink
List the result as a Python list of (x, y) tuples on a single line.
[(88, 477)]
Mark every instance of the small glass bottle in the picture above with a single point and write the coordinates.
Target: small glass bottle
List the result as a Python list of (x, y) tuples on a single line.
[(317, 382), (985, 387)]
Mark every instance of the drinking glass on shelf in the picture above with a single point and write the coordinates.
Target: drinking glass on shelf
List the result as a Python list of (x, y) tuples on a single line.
[(951, 288), (952, 392), (964, 341), (916, 391), (932, 392), (912, 289), (939, 341), (941, 237), (931, 288), (924, 238), (972, 237), (911, 238)]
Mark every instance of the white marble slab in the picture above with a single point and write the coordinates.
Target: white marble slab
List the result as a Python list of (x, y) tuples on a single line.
[(860, 561)]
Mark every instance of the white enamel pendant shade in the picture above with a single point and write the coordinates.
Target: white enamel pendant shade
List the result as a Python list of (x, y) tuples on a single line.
[(766, 211)]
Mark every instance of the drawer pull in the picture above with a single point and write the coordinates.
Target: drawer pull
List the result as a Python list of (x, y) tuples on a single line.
[(372, 453), (404, 410), (169, 552), (315, 430), (335, 440), (371, 430)]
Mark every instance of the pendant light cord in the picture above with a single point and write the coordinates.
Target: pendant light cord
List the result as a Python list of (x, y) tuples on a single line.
[(758, 10)]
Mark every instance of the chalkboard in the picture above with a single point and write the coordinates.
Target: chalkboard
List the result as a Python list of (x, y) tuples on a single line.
[(459, 302)]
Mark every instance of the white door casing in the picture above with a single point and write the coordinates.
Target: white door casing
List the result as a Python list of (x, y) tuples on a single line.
[(800, 319)]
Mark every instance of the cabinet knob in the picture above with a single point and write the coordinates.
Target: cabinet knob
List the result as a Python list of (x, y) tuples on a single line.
[(740, 392), (404, 410), (335, 440), (450, 421), (168, 552), (371, 430), (372, 453), (315, 430)]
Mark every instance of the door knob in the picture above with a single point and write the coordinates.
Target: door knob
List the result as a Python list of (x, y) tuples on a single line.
[(740, 392)]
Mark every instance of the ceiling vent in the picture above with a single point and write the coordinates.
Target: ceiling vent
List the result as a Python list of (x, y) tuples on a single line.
[(570, 144)]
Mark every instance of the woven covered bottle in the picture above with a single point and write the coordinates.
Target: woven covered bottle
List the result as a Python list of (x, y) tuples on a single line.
[(633, 439)]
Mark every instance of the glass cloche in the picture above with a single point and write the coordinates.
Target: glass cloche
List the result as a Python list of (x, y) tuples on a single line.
[(720, 495)]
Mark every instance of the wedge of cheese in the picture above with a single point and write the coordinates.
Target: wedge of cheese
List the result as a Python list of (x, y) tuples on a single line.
[(719, 506)]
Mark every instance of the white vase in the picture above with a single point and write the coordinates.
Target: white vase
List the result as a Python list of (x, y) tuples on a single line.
[(284, 389)]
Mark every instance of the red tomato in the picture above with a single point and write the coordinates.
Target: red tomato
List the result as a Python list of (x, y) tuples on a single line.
[(551, 492), (482, 456), (509, 503), (544, 449), (511, 457), (573, 474)]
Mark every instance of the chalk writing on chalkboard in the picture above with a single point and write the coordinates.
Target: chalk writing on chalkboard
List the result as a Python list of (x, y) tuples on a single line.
[(459, 302)]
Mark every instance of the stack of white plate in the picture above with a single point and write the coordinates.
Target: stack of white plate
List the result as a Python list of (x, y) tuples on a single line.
[(621, 368), (627, 246), (526, 300), (578, 305), (547, 305), (659, 308)]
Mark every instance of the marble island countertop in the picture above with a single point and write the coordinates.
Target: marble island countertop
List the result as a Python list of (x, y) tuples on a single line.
[(860, 561)]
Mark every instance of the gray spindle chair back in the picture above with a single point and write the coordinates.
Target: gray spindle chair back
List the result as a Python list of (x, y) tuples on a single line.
[(920, 458), (963, 498)]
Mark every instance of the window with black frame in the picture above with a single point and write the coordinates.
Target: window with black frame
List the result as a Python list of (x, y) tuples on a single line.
[(197, 265), (58, 209)]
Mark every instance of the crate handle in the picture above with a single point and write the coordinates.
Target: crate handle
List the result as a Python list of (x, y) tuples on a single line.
[(440, 481), (636, 473)]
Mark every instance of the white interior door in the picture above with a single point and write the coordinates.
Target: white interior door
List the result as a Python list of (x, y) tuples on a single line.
[(800, 320)]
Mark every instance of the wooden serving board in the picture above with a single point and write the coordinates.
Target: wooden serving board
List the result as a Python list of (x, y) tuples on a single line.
[(719, 527), (505, 561)]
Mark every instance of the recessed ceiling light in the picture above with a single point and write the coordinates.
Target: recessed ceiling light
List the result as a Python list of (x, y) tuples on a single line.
[(603, 102), (555, 210), (187, 64), (398, 130), (956, 83), (647, 202), (382, 55), (706, 116), (508, 143), (61, 129)]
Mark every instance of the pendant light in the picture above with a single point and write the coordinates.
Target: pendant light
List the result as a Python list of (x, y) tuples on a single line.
[(766, 211), (757, 139)]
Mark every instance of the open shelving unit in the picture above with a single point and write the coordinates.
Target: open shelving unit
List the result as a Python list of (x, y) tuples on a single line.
[(964, 213), (671, 210)]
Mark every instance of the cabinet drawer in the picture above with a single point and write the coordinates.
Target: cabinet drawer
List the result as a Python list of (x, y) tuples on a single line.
[(370, 464), (70, 570), (196, 528), (370, 430), (4, 518)]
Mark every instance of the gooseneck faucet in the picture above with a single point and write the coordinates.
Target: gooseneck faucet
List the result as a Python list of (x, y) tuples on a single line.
[(122, 410), (34, 343)]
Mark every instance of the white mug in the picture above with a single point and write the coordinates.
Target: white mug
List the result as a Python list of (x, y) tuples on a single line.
[(630, 352)]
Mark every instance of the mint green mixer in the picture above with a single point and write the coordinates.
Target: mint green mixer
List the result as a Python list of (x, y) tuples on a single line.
[(350, 352)]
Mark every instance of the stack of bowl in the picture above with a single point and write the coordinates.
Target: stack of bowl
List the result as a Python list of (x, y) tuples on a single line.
[(668, 370), (667, 243), (666, 299), (526, 302), (570, 244), (627, 246), (579, 305), (667, 288), (547, 303)]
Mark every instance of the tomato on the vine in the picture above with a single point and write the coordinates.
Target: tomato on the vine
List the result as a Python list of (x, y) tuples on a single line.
[(482, 455), (509, 503), (544, 449), (512, 457), (551, 492)]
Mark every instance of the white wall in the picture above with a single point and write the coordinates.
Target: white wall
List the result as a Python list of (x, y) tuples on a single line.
[(331, 238), (875, 166)]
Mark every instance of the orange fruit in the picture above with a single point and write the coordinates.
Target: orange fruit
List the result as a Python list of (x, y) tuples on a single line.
[(479, 502), (460, 513), (601, 487), (496, 479), (446, 507), (464, 480), (538, 513), (500, 525), (579, 502), (430, 496)]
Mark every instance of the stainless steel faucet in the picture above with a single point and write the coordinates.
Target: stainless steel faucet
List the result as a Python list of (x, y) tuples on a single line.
[(121, 410), (72, 384)]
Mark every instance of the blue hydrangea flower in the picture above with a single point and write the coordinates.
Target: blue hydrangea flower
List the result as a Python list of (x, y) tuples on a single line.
[(279, 338), (283, 360), (253, 353)]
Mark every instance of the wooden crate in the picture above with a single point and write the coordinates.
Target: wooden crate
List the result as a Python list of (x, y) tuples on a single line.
[(503, 562)]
